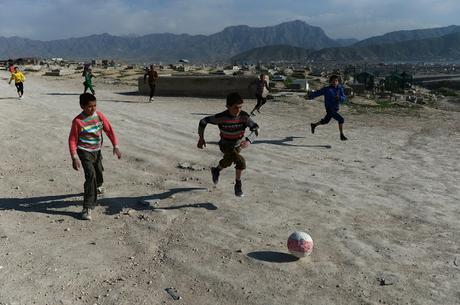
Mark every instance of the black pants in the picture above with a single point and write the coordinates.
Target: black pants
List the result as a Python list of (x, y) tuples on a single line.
[(152, 89), (260, 101), (332, 113), (20, 88), (91, 161)]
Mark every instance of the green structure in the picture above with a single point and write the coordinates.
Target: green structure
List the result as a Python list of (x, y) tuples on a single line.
[(398, 82)]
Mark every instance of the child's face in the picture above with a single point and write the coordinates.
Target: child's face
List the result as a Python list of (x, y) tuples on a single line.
[(335, 82), (90, 108), (235, 109)]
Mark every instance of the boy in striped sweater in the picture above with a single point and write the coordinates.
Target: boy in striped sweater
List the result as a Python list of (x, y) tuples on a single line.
[(232, 124), (85, 142)]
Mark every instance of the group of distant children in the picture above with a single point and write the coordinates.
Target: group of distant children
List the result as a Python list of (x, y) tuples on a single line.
[(85, 138)]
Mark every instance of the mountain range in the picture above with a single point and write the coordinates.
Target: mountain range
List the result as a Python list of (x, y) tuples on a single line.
[(171, 47), (289, 41)]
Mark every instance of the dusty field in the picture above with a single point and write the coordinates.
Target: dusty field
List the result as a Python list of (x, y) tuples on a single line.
[(382, 208)]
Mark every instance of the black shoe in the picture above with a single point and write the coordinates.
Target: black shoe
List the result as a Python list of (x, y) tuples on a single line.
[(215, 172), (238, 190), (343, 138), (313, 126), (86, 214)]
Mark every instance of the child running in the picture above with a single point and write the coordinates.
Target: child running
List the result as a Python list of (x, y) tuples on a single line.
[(232, 124), (261, 85), (333, 96), (88, 83), (19, 79), (85, 142)]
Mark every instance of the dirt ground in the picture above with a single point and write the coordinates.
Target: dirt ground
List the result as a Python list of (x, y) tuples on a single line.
[(382, 208)]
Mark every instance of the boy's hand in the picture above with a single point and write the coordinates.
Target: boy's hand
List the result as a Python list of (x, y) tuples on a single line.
[(116, 152), (201, 143), (245, 144), (76, 164)]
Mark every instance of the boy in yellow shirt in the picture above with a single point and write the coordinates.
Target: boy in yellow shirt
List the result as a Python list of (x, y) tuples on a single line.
[(19, 79)]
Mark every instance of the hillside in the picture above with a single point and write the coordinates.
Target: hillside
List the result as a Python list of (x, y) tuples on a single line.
[(445, 48), (406, 35), (278, 53)]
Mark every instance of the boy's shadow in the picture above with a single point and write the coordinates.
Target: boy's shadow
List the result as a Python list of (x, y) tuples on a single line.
[(53, 205), (282, 142)]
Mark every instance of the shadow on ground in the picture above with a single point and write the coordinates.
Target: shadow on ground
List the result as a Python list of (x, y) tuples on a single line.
[(272, 256), (62, 93), (53, 205), (126, 101), (283, 142)]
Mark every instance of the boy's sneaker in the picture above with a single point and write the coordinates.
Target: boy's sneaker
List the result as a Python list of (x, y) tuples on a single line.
[(86, 214), (215, 172), (100, 190), (313, 126), (238, 189), (343, 138)]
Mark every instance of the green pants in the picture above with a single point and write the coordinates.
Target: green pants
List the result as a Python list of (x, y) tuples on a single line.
[(88, 86), (91, 161), (231, 155)]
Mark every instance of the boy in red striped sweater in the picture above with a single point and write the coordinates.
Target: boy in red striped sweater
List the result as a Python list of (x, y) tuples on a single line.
[(85, 142), (232, 124)]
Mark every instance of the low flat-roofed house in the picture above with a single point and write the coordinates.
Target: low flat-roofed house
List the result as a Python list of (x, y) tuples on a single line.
[(367, 79)]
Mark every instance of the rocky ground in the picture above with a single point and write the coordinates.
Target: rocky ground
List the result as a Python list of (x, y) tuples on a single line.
[(382, 208)]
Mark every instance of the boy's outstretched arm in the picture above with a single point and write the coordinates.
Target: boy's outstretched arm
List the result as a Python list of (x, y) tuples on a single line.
[(202, 126), (316, 93)]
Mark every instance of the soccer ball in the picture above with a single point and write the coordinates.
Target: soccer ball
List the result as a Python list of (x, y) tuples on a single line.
[(300, 244)]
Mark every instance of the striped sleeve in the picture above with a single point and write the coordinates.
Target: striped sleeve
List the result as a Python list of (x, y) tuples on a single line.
[(254, 128), (108, 129), (205, 121), (73, 138)]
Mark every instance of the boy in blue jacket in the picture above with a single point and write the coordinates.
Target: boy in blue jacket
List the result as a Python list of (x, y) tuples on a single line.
[(333, 97)]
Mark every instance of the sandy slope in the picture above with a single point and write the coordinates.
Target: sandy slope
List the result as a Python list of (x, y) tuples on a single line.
[(384, 204)]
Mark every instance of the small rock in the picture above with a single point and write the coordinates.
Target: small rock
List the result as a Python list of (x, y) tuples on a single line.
[(387, 279), (51, 180), (67, 229)]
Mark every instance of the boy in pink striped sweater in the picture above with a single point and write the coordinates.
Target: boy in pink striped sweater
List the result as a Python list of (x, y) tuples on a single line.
[(85, 142)]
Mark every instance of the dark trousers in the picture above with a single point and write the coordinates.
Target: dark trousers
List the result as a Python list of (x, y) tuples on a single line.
[(152, 89), (91, 161), (20, 88), (332, 114), (231, 155), (260, 101)]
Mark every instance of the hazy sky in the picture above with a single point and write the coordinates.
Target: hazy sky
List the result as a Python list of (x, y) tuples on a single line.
[(56, 19)]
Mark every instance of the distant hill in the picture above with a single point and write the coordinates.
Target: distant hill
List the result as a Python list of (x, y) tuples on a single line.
[(278, 53), (407, 35), (432, 49), (345, 42), (171, 47)]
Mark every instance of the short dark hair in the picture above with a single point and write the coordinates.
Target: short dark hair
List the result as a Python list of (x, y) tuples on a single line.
[(334, 77), (234, 98), (85, 98)]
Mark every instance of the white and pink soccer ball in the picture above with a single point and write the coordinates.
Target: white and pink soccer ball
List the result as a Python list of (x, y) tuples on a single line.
[(300, 244)]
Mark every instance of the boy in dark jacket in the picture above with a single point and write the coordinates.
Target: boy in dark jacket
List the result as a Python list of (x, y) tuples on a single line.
[(333, 97)]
